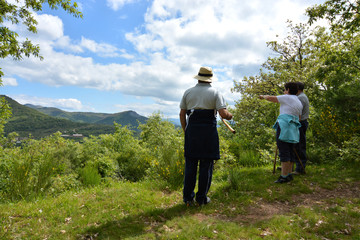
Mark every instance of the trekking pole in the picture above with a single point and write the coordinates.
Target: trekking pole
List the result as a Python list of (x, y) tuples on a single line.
[(276, 153), (302, 166)]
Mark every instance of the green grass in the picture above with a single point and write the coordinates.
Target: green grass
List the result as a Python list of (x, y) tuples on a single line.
[(324, 204)]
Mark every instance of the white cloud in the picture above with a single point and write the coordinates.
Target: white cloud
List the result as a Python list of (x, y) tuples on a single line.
[(49, 27), (9, 81), (69, 104), (176, 38), (101, 49), (117, 4)]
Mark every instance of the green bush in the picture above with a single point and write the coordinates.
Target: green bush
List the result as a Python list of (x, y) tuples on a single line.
[(350, 152), (63, 183), (89, 176), (26, 172), (235, 178), (165, 145)]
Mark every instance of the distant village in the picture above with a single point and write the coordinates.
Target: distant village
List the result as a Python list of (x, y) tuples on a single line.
[(75, 135)]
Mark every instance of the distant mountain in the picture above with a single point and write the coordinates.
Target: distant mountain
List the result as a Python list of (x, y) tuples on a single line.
[(128, 118), (85, 117), (27, 120)]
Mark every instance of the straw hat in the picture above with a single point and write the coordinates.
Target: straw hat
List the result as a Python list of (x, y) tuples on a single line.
[(205, 74)]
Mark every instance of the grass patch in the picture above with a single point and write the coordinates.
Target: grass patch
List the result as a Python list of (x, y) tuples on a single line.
[(246, 204)]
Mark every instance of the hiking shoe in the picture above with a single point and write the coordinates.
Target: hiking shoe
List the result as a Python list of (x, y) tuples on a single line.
[(282, 179), (206, 201), (190, 203)]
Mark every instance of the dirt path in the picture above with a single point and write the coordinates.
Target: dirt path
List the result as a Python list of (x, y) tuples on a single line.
[(266, 210)]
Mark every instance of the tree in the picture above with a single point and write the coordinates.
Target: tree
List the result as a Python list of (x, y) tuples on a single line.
[(340, 13), (22, 13), (339, 52), (292, 62)]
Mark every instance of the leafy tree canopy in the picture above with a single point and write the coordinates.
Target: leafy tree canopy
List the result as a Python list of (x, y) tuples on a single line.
[(22, 12), (340, 13)]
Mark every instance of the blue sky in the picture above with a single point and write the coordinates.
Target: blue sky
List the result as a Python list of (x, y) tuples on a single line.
[(142, 55)]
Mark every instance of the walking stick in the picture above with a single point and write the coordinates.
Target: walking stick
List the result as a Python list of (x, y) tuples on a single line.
[(302, 166), (276, 153), (228, 126)]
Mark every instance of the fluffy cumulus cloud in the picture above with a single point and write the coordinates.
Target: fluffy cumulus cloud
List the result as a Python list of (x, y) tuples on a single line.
[(176, 38)]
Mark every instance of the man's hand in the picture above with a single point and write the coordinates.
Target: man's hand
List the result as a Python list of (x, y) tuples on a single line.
[(225, 114)]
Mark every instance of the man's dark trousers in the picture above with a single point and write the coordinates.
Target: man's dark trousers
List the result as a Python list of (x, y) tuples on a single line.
[(302, 147), (205, 177), (201, 148)]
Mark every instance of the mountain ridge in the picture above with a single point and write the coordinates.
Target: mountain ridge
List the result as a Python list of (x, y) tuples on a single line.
[(124, 118), (28, 120)]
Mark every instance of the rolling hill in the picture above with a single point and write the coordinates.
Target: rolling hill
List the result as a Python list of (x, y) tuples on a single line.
[(27, 120), (128, 118)]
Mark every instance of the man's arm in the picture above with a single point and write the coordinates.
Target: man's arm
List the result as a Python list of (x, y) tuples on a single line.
[(225, 114), (269, 98), (183, 118)]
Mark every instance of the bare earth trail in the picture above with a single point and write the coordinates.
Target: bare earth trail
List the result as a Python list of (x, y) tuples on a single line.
[(263, 210), (320, 197)]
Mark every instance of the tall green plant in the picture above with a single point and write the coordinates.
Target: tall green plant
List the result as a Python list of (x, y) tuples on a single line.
[(165, 144)]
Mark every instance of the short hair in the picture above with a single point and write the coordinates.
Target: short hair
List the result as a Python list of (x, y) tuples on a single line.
[(293, 88), (300, 85)]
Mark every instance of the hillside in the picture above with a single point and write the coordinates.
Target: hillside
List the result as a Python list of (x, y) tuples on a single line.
[(26, 120), (129, 118)]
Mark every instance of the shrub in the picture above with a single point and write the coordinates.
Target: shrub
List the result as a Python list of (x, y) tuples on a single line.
[(63, 183), (165, 145), (89, 176), (235, 178), (28, 172), (350, 151)]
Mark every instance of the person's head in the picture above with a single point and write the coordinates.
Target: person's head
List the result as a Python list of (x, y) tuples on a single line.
[(291, 88), (205, 74), (301, 86)]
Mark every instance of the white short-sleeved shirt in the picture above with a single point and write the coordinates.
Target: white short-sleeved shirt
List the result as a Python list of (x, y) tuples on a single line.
[(290, 104), (202, 96)]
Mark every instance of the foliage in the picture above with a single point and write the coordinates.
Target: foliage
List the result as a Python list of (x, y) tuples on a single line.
[(350, 152), (292, 62), (5, 113), (328, 63), (90, 176), (24, 13), (27, 171), (116, 155), (63, 183), (338, 76), (132, 157), (340, 13), (165, 144)]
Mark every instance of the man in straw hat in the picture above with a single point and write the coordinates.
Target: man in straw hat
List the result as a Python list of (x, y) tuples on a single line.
[(201, 103)]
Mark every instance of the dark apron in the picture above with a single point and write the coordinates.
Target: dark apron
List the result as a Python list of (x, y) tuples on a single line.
[(201, 136)]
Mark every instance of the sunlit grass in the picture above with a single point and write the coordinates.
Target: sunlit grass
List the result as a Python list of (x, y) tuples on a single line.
[(145, 210)]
